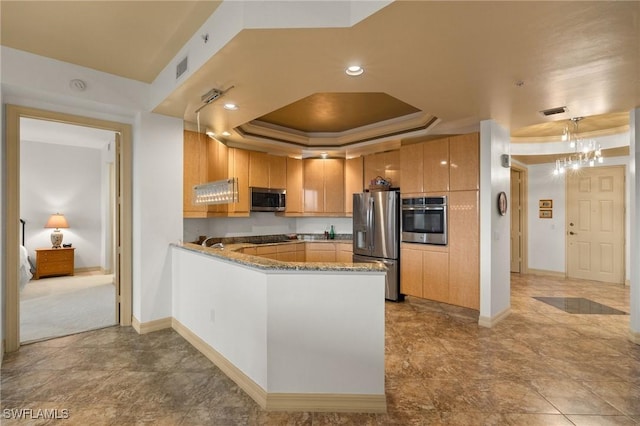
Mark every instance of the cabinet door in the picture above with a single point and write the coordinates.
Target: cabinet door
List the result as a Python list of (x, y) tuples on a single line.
[(333, 185), (410, 271), (353, 170), (258, 169), (464, 152), (239, 169), (383, 164), (294, 185), (464, 249), (194, 171), (436, 165), (218, 160), (435, 276), (411, 168), (277, 172), (313, 196)]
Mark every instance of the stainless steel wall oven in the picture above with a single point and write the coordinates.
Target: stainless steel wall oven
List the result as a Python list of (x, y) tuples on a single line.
[(424, 220)]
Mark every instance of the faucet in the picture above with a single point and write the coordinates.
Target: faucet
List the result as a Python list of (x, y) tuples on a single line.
[(216, 245)]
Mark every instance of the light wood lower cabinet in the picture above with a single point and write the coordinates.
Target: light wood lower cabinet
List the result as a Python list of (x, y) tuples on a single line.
[(344, 252), (464, 249), (320, 252), (424, 271)]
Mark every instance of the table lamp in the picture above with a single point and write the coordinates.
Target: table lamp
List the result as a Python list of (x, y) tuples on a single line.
[(56, 221)]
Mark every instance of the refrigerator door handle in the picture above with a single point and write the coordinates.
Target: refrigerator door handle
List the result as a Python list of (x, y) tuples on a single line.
[(372, 223)]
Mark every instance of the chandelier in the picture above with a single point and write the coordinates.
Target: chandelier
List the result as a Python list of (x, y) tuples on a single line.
[(585, 152)]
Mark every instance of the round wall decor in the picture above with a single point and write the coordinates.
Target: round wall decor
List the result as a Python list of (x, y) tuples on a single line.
[(502, 203)]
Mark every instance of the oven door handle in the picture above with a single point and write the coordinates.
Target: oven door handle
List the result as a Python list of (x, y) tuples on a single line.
[(424, 208)]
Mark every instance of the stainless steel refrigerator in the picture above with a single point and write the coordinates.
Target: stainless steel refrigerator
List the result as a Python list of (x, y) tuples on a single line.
[(376, 235)]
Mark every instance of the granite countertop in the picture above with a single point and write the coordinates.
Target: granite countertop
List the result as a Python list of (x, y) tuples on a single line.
[(232, 253)]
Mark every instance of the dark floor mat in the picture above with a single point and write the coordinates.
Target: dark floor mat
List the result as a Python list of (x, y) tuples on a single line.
[(580, 305)]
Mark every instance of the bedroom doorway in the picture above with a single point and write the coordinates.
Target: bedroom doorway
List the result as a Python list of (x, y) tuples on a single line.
[(55, 303), (122, 250)]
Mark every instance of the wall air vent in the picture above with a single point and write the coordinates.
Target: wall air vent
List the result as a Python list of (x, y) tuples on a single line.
[(553, 111), (182, 67)]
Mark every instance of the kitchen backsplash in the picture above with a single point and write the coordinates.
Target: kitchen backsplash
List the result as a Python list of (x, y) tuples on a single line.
[(263, 224)]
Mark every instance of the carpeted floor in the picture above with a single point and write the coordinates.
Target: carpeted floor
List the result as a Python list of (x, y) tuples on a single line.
[(60, 306)]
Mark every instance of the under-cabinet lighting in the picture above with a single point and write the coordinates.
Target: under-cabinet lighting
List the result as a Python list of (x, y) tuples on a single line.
[(219, 192)]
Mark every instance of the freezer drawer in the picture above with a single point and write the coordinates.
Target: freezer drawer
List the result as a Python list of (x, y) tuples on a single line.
[(392, 279)]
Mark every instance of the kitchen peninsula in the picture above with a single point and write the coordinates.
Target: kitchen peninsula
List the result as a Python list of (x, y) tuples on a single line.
[(304, 336)]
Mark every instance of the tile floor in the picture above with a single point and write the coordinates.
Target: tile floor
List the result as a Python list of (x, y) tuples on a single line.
[(540, 366)]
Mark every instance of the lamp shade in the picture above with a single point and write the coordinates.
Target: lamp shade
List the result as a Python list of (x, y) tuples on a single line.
[(57, 221)]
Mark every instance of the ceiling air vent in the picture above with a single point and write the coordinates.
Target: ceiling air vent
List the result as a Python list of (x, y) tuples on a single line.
[(182, 67), (553, 111)]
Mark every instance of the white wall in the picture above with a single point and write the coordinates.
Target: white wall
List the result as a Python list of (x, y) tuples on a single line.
[(547, 237), (38, 82), (495, 251), (157, 211), (65, 179)]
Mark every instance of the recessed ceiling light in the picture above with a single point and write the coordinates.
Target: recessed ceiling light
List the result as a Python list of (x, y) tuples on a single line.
[(230, 106), (210, 133), (225, 133), (324, 155), (354, 70)]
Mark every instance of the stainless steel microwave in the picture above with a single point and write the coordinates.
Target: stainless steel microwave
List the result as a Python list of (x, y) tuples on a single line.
[(424, 220), (268, 199)]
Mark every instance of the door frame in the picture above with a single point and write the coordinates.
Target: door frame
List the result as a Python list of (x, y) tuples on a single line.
[(13, 113), (524, 209)]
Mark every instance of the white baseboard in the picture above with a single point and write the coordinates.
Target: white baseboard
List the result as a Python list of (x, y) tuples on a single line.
[(489, 322), (634, 337), (150, 326), (545, 272), (284, 401)]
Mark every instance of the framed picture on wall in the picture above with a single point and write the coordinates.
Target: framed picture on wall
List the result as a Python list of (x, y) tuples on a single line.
[(546, 214), (545, 204)]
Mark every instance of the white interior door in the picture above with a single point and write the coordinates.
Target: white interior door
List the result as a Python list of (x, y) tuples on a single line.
[(595, 224)]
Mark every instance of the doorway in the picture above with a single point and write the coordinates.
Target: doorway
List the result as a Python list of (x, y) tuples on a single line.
[(518, 210), (595, 224), (66, 169), (123, 213)]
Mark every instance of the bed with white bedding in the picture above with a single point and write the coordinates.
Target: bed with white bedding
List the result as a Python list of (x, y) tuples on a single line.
[(25, 266)]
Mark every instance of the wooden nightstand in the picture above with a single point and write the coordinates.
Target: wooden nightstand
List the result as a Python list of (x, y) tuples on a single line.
[(50, 262)]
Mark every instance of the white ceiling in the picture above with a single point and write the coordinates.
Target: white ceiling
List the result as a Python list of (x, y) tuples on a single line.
[(462, 62)]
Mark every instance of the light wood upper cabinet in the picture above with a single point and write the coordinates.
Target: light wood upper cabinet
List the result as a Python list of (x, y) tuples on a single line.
[(277, 171), (383, 164), (238, 164), (323, 185), (464, 249), (333, 185), (464, 157), (411, 168), (436, 165), (353, 173), (195, 171), (267, 171), (218, 170), (294, 185)]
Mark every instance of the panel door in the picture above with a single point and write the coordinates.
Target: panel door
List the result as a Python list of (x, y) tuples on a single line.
[(410, 271), (277, 171), (464, 249), (464, 157), (333, 185), (258, 169), (353, 172), (595, 224), (313, 197), (294, 185), (516, 222)]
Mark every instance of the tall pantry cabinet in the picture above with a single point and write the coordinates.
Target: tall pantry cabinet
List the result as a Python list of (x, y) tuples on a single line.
[(445, 166)]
